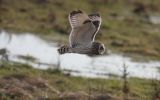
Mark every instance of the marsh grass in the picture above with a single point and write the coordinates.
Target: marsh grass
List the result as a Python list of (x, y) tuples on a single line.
[(66, 85)]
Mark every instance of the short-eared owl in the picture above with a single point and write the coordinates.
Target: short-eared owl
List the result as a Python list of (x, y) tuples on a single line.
[(84, 30)]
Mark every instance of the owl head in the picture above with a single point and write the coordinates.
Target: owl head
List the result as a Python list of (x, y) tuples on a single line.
[(98, 48)]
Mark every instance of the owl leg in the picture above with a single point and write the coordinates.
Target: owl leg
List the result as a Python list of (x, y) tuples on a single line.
[(64, 49)]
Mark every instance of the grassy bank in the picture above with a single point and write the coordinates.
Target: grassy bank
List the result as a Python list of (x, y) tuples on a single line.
[(19, 81), (125, 27)]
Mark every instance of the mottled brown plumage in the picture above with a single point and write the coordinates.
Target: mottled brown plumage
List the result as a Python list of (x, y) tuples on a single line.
[(84, 29)]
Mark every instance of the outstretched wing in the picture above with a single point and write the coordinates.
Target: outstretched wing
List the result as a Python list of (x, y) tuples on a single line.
[(96, 20), (83, 29)]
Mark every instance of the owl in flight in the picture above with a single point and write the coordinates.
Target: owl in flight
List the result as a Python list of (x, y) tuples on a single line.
[(84, 29)]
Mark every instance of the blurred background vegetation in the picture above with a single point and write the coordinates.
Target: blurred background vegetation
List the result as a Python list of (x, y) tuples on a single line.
[(129, 26)]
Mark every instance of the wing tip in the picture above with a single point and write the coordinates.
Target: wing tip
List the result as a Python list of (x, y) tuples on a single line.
[(75, 12), (95, 17)]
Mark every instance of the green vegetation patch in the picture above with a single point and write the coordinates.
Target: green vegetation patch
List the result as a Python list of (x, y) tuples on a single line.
[(20, 81)]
